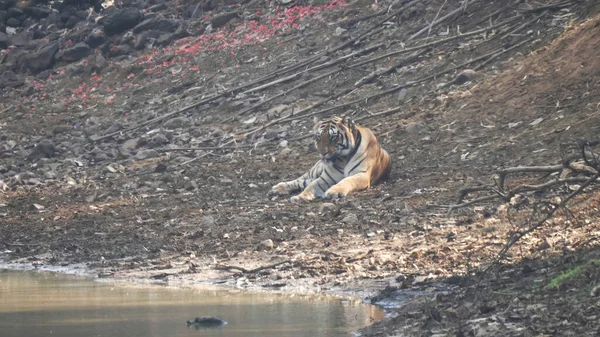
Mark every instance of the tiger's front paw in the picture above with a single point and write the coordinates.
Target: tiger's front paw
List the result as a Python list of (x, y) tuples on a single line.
[(332, 194), (279, 189), (302, 197)]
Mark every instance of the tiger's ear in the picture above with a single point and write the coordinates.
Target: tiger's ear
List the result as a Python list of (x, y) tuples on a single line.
[(348, 122), (317, 125)]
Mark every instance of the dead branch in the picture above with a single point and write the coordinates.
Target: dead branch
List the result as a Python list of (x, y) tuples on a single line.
[(376, 74), (434, 43), (556, 6), (440, 20), (518, 235), (517, 45), (302, 113), (524, 25), (250, 271), (300, 85), (373, 30)]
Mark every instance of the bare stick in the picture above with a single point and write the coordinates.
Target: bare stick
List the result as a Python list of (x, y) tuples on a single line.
[(433, 43), (520, 189), (516, 236), (376, 74), (250, 271), (440, 20), (519, 28), (486, 62), (318, 67), (435, 18)]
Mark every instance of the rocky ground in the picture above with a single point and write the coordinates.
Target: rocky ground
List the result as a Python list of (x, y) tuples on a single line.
[(141, 140)]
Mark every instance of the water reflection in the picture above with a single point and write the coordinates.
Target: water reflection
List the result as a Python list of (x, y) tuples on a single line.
[(43, 304)]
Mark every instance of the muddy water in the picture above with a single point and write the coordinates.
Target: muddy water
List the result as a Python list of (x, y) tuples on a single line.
[(49, 304)]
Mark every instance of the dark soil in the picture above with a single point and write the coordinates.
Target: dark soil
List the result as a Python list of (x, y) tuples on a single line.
[(89, 176)]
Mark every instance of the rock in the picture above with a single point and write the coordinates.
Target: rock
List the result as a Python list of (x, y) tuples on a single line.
[(76, 53), (131, 144), (339, 31), (42, 59), (122, 20), (286, 152), (50, 175), (27, 90), (44, 149), (157, 8), (14, 12), (95, 38), (465, 76), (350, 219), (175, 123), (222, 19), (3, 41), (415, 127), (44, 75), (327, 207), (21, 39), (145, 154), (208, 220), (158, 23), (190, 186), (12, 22), (57, 107), (37, 12), (121, 50), (8, 79), (226, 181), (113, 128), (160, 168), (268, 243), (72, 21), (158, 140)]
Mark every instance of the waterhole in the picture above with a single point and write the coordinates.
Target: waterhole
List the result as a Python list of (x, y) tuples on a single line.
[(51, 304)]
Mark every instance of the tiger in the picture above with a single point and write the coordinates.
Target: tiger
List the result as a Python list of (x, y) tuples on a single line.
[(351, 160)]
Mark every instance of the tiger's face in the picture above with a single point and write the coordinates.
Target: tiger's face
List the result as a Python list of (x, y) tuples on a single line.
[(335, 137)]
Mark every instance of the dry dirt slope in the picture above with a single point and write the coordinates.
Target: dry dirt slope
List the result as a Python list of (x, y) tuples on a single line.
[(550, 285), (108, 202)]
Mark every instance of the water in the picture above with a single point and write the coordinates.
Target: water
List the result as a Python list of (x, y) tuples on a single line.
[(50, 304)]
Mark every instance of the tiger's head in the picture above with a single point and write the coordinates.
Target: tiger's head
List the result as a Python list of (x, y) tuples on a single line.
[(335, 137)]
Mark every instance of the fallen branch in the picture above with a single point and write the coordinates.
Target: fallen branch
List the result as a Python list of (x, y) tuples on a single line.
[(434, 43), (250, 271), (518, 235), (440, 20), (517, 45), (301, 113), (521, 27), (318, 67)]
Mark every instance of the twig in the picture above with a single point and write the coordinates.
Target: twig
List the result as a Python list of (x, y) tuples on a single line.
[(376, 74), (250, 271), (301, 113), (440, 20), (433, 43), (435, 18), (516, 236), (519, 28), (486, 62), (559, 5), (318, 67)]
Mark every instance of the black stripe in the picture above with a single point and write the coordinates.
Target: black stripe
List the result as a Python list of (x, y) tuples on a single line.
[(321, 187), (340, 170), (357, 142), (355, 166), (304, 184), (327, 173)]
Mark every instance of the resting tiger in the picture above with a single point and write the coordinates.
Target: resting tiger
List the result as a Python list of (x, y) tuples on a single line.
[(351, 160)]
